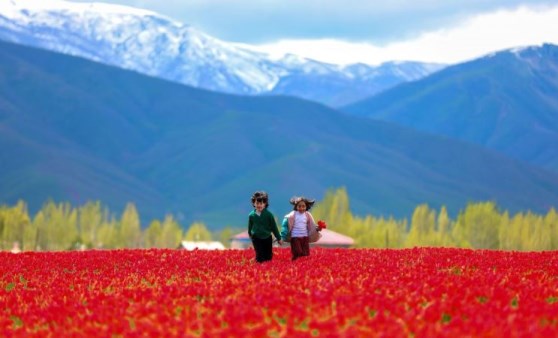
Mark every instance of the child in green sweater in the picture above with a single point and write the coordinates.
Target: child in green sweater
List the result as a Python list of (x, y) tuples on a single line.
[(261, 223)]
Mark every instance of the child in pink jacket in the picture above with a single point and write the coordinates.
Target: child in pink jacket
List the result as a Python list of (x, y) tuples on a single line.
[(301, 227)]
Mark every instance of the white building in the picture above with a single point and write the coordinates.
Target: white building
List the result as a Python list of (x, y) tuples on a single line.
[(191, 245)]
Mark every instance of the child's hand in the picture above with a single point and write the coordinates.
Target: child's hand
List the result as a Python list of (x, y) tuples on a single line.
[(280, 242)]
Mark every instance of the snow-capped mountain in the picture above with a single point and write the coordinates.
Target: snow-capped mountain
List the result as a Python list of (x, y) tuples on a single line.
[(156, 45)]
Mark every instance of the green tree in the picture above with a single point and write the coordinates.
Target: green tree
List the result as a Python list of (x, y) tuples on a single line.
[(540, 235), (152, 235), (130, 228), (108, 235), (422, 227), (171, 233), (551, 221), (41, 232), (90, 218), (226, 234), (444, 228), (56, 226), (385, 233), (505, 235), (3, 217), (478, 226), (334, 209), (512, 235), (197, 232), (15, 220)]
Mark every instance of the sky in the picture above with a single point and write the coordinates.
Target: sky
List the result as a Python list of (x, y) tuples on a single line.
[(368, 31)]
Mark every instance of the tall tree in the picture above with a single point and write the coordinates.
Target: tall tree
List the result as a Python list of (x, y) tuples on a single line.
[(108, 235), (444, 228), (152, 235), (422, 227), (56, 226), (3, 218), (90, 218), (540, 235), (226, 234), (130, 228), (478, 225), (171, 233), (505, 233), (513, 234), (14, 222), (197, 232), (551, 221), (334, 209)]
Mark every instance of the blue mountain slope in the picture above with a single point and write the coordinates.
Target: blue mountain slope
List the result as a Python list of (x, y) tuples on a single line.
[(507, 101), (75, 130)]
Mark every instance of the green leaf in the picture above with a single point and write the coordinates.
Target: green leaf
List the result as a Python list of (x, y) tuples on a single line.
[(16, 322)]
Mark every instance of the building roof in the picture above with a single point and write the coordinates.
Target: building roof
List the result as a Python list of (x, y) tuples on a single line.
[(241, 236), (335, 238)]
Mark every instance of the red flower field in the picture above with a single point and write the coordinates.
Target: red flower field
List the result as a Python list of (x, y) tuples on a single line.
[(422, 292)]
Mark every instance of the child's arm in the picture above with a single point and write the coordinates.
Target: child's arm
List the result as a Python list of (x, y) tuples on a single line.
[(250, 226), (274, 229), (284, 228)]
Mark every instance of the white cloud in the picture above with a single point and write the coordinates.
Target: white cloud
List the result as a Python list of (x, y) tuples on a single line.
[(469, 39)]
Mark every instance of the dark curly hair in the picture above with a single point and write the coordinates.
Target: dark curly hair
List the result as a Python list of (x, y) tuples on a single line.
[(297, 199), (260, 196)]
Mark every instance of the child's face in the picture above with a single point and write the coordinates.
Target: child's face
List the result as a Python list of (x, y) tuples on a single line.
[(259, 205), (301, 206)]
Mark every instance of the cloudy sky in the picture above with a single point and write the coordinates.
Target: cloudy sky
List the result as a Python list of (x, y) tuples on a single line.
[(369, 31)]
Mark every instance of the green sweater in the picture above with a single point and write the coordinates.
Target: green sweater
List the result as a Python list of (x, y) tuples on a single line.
[(263, 225)]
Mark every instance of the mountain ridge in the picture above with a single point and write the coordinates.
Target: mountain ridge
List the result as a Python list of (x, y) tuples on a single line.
[(155, 45), (505, 101)]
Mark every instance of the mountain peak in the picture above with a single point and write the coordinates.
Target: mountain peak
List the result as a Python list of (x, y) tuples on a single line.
[(152, 44), (531, 51), (27, 7)]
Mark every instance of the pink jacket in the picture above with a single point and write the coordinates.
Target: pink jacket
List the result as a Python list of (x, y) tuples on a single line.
[(311, 222)]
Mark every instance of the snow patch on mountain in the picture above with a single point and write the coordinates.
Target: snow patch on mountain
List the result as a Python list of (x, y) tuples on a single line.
[(156, 45)]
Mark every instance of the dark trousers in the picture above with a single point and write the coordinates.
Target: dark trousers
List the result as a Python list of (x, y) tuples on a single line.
[(263, 248), (300, 246)]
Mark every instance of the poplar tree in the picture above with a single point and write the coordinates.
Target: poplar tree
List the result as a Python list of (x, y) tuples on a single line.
[(130, 228), (90, 218), (334, 209), (551, 221), (539, 237), (514, 233), (3, 217), (108, 235), (171, 233), (14, 222), (444, 228), (386, 233), (478, 226), (505, 232), (226, 234), (152, 235), (421, 232), (197, 232)]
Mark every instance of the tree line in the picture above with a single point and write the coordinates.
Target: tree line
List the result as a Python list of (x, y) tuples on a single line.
[(59, 226), (481, 225)]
